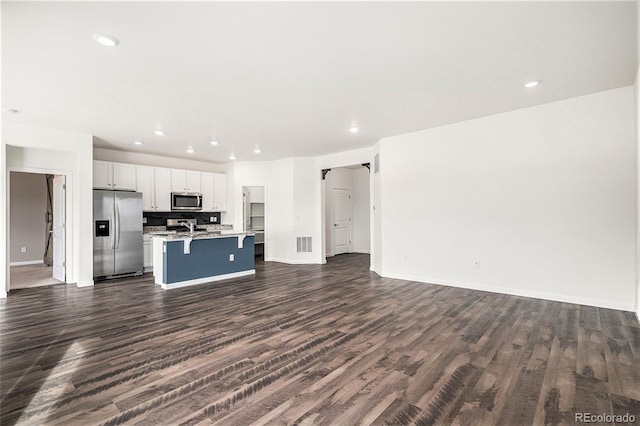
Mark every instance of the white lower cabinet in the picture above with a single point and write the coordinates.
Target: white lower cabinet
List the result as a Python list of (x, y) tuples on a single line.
[(147, 245)]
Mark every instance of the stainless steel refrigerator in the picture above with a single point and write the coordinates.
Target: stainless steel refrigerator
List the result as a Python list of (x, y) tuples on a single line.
[(117, 233)]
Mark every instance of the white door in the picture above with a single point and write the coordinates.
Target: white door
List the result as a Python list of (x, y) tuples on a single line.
[(341, 221), (58, 231)]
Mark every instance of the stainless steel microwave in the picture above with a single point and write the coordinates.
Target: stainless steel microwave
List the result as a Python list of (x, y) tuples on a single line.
[(186, 201)]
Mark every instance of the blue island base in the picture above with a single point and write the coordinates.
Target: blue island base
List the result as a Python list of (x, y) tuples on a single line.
[(186, 261)]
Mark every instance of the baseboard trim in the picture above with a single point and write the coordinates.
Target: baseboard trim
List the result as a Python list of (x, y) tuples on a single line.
[(26, 262), (517, 292), (84, 283), (638, 317), (3, 294), (206, 280), (374, 269), (295, 262)]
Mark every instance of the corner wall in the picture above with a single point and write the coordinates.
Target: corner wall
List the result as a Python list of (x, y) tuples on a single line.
[(538, 202)]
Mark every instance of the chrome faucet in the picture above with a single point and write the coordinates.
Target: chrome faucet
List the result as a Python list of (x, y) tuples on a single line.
[(188, 225)]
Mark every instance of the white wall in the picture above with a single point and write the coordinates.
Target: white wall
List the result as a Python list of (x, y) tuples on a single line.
[(542, 198), (361, 205), (376, 210), (28, 204), (156, 160), (42, 150)]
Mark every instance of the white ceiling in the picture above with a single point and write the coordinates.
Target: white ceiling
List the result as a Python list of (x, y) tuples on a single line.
[(293, 77)]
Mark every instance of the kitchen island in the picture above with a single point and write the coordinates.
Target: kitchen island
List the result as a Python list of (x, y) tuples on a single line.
[(183, 259)]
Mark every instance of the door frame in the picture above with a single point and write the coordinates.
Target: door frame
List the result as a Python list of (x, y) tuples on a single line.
[(68, 212)]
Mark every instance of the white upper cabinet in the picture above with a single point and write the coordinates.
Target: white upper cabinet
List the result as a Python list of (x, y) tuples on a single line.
[(214, 192), (154, 183), (163, 189), (102, 174), (108, 175), (220, 181), (124, 176), (208, 192), (145, 184), (157, 183), (185, 181)]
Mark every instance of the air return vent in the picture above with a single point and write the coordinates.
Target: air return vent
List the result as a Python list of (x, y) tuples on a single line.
[(303, 245)]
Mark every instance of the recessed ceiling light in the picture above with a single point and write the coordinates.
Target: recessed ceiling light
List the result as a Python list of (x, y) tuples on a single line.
[(190, 150), (232, 156), (11, 111), (214, 143), (137, 142), (354, 129), (158, 132), (106, 40), (257, 151), (530, 84)]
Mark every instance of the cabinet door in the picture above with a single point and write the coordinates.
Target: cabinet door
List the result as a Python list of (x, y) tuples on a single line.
[(178, 180), (124, 176), (163, 179), (102, 174), (208, 192), (220, 183), (193, 182), (145, 184), (148, 255)]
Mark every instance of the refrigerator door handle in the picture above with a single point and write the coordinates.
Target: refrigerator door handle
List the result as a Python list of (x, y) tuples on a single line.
[(117, 230), (112, 222)]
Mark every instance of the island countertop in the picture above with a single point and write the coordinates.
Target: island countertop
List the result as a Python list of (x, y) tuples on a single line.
[(198, 235)]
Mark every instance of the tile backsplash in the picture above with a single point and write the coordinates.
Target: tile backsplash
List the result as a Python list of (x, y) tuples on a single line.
[(160, 218)]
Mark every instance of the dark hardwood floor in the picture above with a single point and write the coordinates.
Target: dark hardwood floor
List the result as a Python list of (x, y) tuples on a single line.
[(330, 344)]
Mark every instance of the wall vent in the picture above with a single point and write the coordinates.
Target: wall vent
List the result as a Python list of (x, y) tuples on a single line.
[(376, 163), (303, 245)]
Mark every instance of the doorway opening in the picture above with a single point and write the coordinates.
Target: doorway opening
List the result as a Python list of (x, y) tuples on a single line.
[(37, 219), (254, 214), (346, 210)]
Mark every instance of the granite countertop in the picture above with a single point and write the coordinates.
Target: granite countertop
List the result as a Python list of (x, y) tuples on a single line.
[(158, 230), (197, 235)]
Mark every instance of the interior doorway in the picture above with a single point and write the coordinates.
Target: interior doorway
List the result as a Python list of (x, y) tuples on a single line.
[(254, 214), (347, 218), (37, 229)]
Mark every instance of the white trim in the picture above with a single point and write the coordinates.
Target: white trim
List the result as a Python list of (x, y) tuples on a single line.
[(374, 269), (296, 262), (3, 294), (637, 316), (84, 283), (517, 292), (26, 262), (207, 280)]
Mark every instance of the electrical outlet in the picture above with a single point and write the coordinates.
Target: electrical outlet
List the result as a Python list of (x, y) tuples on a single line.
[(23, 249), (232, 257), (212, 219), (144, 220)]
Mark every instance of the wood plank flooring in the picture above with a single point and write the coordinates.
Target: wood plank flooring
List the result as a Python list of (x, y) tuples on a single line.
[(309, 344)]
